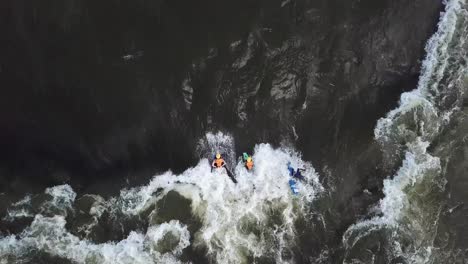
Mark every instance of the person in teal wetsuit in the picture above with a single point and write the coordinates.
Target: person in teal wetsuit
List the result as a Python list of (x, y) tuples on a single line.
[(245, 156)]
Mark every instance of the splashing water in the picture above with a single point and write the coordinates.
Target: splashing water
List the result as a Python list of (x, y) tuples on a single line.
[(57, 200), (222, 143), (238, 223), (48, 234), (409, 211)]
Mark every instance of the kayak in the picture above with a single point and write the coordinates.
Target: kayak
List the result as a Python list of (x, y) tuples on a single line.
[(293, 186), (228, 172), (231, 175)]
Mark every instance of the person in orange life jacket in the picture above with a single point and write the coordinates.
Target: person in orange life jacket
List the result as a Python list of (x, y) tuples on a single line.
[(249, 163), (218, 162)]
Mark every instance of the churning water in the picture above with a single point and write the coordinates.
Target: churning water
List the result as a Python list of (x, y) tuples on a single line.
[(231, 223), (202, 216), (406, 219)]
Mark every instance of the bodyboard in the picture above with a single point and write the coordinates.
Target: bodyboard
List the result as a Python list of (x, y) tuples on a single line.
[(293, 186)]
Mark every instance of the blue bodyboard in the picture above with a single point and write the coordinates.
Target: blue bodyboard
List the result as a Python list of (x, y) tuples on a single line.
[(292, 185)]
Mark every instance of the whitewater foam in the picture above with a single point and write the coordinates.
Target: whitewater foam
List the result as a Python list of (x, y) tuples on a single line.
[(48, 234), (252, 219), (55, 200), (408, 131), (227, 209)]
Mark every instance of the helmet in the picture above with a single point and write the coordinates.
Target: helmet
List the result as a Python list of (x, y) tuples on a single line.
[(218, 156), (249, 159)]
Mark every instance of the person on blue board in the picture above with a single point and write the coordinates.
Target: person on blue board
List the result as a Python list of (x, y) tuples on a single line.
[(297, 173), (293, 186)]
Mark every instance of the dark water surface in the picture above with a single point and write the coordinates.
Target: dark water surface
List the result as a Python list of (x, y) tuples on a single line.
[(97, 97)]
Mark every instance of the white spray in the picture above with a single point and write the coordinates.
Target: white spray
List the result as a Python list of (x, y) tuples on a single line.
[(239, 222), (409, 130)]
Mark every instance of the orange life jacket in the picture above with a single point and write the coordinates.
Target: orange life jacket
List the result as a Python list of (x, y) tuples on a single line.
[(218, 163), (249, 165)]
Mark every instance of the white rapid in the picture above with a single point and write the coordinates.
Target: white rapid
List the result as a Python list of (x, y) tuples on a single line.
[(408, 213), (49, 235), (239, 223)]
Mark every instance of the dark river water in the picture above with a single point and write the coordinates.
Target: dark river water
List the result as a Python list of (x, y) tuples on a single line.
[(111, 113)]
